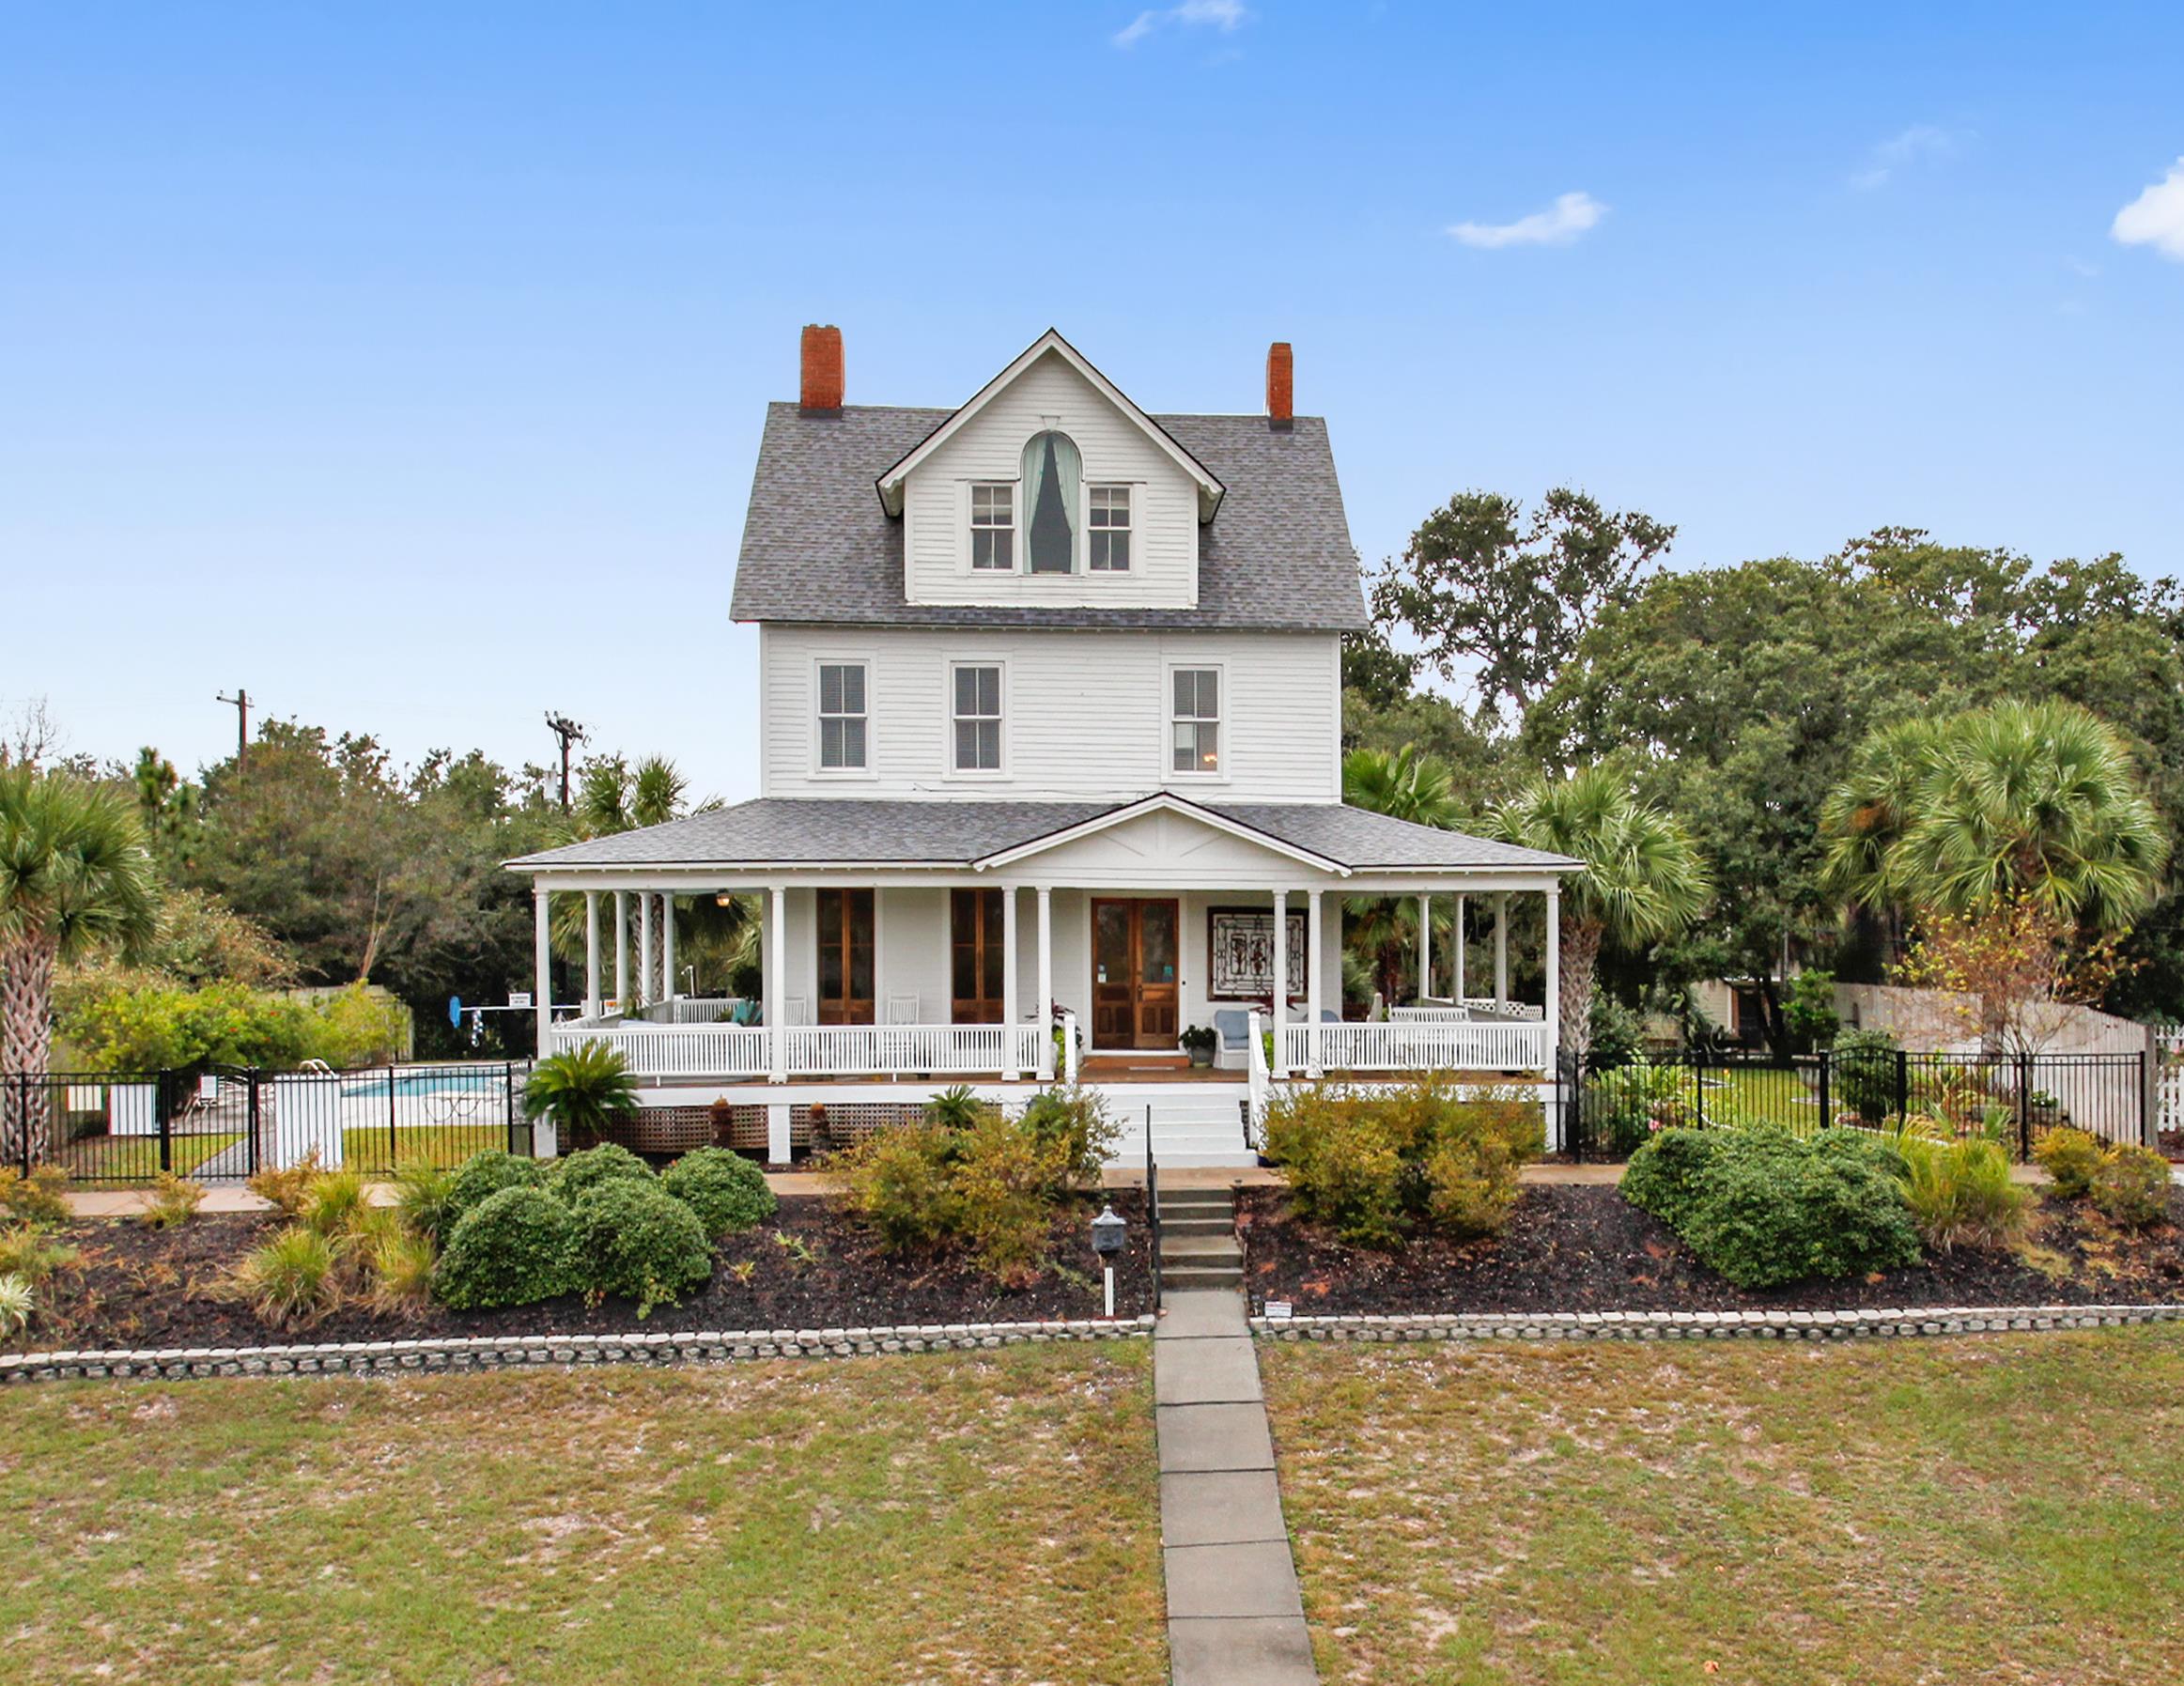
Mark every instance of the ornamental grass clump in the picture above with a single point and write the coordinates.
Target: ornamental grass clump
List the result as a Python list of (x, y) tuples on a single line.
[(26, 1251), (174, 1201), (290, 1281), (18, 1306), (727, 1191), (635, 1239), (424, 1195), (514, 1249), (1962, 1191), (335, 1205), (1415, 1157), (42, 1197)]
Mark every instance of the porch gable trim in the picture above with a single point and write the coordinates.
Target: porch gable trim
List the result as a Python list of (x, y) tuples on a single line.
[(1160, 802)]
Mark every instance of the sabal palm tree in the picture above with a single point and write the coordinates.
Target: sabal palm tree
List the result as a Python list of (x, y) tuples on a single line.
[(2019, 801), (1383, 931), (74, 878), (1644, 878)]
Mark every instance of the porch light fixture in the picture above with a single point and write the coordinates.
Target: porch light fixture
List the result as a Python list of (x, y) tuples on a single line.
[(1107, 1231), (724, 898)]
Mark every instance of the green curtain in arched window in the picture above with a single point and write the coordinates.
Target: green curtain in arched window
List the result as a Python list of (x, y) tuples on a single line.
[(1052, 472)]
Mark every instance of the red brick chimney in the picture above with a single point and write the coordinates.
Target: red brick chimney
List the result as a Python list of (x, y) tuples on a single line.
[(1280, 399), (821, 390)]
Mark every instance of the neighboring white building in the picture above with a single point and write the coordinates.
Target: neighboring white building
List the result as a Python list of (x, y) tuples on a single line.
[(1049, 734)]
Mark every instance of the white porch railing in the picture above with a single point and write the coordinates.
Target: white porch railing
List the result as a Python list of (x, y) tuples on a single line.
[(1416, 1045), (742, 1051)]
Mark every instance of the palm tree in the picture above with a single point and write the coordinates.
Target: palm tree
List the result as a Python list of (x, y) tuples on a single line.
[(1383, 931), (74, 878), (2020, 801), (585, 1091), (1644, 878)]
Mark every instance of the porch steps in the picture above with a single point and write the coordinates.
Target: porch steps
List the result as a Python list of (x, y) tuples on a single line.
[(1198, 1240), (1192, 1124)]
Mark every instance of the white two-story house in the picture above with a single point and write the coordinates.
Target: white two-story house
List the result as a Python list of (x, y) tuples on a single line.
[(1050, 771)]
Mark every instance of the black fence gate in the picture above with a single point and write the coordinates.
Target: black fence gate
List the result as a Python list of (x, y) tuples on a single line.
[(1609, 1108), (225, 1125)]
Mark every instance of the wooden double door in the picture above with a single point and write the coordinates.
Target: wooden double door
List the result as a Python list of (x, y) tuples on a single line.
[(1137, 946)]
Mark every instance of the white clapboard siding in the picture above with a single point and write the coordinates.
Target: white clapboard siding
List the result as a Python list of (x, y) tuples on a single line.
[(1085, 715)]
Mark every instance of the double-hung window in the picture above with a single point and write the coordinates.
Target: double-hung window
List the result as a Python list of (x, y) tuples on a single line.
[(844, 717), (993, 528), (977, 718), (1107, 527), (1195, 721)]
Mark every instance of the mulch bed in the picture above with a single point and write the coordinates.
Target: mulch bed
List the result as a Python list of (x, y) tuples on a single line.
[(1586, 1248), (809, 1267)]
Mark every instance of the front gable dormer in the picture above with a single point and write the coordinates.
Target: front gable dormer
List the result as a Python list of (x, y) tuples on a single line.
[(1050, 488)]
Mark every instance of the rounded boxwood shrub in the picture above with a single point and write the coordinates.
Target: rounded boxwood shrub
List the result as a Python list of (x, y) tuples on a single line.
[(1664, 1172), (635, 1239), (482, 1176), (513, 1249), (726, 1190), (1772, 1209), (609, 1162), (2070, 1158), (2131, 1186)]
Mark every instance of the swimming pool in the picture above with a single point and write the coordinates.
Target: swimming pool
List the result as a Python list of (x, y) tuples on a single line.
[(454, 1080)]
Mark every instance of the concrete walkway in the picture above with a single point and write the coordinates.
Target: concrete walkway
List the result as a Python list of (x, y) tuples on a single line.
[(1234, 1614)]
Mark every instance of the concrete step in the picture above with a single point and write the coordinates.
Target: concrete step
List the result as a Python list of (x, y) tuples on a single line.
[(1186, 1199), (1212, 1223), (1198, 1250), (1201, 1275)]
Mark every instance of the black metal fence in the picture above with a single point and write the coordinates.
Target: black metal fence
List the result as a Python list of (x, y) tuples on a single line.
[(1609, 1108), (225, 1125)]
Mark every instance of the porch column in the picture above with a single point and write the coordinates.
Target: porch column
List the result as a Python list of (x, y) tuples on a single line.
[(542, 966), (1315, 964), (621, 950), (1553, 1012), (644, 945), (1425, 948), (1012, 997), (591, 953), (777, 960), (1045, 985), (1280, 1067), (1501, 948), (667, 947), (1460, 986)]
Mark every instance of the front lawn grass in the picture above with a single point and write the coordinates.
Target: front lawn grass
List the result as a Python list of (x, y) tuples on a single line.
[(958, 1517), (1999, 1507)]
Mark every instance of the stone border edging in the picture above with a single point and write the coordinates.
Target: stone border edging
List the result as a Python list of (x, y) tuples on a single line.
[(510, 1351), (1707, 1326)]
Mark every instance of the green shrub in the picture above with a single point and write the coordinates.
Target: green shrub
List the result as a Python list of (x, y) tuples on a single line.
[(1375, 1166), (1962, 1191), (2131, 1186), (26, 1251), (727, 1191), (1772, 1209), (1864, 1076), (583, 1091), (335, 1205), (513, 1249), (484, 1175), (609, 1162), (289, 1282), (174, 1201), (42, 1197), (424, 1195), (1626, 1104), (1809, 1012), (2071, 1157), (635, 1239), (1075, 1120), (1615, 1033), (1664, 1175), (1004, 1190), (901, 1181), (957, 1108), (18, 1306)]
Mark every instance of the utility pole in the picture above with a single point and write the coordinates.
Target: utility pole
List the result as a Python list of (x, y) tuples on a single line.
[(569, 732), (241, 704)]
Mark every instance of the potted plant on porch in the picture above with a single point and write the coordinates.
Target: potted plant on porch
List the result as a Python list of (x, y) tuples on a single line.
[(1198, 1041)]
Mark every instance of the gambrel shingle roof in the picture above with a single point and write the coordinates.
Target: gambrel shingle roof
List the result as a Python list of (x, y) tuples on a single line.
[(818, 548)]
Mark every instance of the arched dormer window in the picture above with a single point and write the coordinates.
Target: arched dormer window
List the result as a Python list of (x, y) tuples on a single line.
[(1052, 472)]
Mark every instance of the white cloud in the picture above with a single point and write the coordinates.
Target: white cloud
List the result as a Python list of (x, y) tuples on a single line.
[(2156, 217), (1922, 143), (1224, 15), (1569, 216)]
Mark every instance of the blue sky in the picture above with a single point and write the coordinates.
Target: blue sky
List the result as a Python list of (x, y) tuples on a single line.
[(406, 363)]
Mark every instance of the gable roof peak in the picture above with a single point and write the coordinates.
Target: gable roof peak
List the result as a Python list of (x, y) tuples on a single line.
[(891, 482)]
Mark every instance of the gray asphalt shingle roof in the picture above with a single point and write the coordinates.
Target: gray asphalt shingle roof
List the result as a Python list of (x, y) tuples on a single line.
[(818, 548), (812, 831)]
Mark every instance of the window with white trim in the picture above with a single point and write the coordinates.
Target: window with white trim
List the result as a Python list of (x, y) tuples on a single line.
[(1194, 720), (977, 718), (1107, 530), (993, 528), (843, 719)]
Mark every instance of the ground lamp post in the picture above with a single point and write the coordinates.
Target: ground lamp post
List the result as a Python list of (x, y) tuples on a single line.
[(1107, 1231)]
